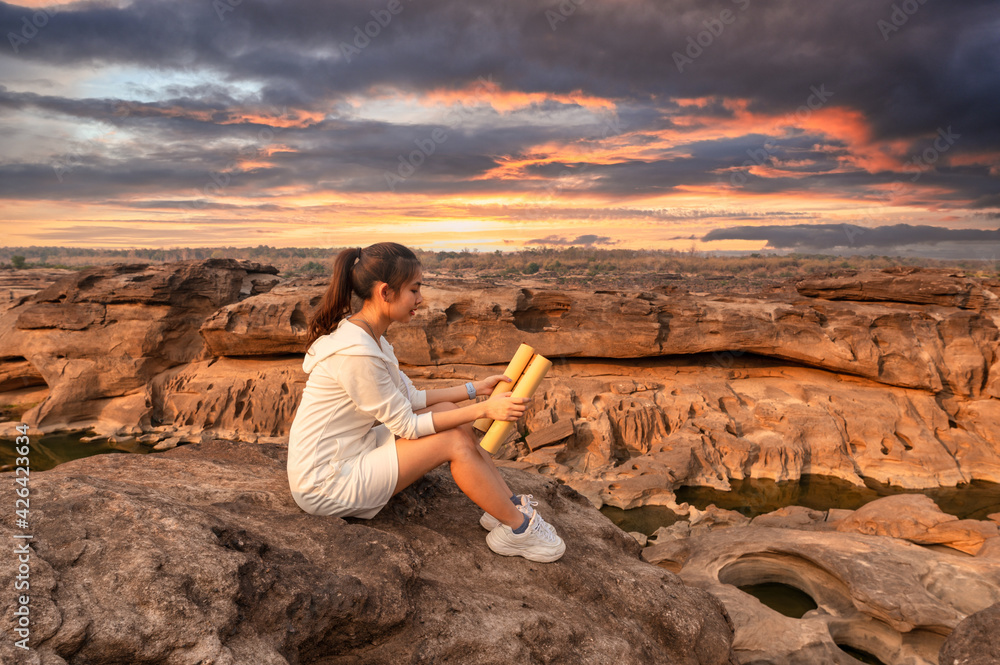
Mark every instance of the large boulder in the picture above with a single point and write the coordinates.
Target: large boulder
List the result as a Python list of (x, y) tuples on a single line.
[(924, 286), (975, 641), (199, 555), (917, 518), (883, 596), (97, 337)]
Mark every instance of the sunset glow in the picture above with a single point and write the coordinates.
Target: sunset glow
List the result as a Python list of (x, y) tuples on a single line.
[(452, 129)]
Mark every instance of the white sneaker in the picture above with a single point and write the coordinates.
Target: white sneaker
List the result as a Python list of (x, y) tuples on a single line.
[(489, 522), (537, 543)]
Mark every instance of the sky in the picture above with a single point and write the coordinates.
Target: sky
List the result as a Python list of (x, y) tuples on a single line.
[(844, 126)]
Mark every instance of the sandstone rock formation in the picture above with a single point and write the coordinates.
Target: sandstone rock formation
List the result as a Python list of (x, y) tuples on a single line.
[(199, 555), (880, 595), (98, 337), (892, 376), (917, 518), (649, 390), (975, 641)]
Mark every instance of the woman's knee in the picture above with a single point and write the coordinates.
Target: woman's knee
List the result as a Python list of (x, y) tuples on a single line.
[(462, 442)]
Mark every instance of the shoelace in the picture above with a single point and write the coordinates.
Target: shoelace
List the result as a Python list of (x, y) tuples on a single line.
[(526, 501), (542, 528)]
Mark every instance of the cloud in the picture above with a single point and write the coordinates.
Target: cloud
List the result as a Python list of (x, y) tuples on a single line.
[(828, 236), (587, 239), (285, 100)]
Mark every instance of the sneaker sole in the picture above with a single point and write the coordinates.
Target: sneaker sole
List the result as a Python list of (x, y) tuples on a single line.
[(504, 549)]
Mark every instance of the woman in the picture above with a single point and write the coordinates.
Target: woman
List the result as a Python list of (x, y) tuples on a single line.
[(362, 432)]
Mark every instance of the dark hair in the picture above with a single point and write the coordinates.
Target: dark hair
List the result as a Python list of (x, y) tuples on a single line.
[(387, 262)]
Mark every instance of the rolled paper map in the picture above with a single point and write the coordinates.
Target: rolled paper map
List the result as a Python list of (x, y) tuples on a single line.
[(526, 386), (513, 372)]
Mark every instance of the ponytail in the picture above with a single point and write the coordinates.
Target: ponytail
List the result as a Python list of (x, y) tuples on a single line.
[(355, 271)]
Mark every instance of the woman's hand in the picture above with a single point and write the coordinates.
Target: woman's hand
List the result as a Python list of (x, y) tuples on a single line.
[(504, 407), (485, 387)]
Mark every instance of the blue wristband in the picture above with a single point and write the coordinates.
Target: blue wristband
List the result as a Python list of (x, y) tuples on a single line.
[(469, 388)]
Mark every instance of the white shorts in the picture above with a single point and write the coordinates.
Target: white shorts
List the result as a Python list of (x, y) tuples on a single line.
[(356, 487)]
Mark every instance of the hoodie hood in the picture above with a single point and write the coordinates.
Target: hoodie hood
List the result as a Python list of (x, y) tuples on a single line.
[(349, 340)]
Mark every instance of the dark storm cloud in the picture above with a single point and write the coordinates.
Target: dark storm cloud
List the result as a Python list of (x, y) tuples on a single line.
[(825, 236), (939, 68)]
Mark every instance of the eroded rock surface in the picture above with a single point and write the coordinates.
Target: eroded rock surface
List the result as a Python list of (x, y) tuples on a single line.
[(199, 555), (649, 390), (890, 598), (98, 337), (975, 641), (916, 518)]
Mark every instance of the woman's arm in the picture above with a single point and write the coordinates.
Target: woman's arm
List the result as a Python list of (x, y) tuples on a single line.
[(501, 407), (460, 394), (456, 395), (444, 420)]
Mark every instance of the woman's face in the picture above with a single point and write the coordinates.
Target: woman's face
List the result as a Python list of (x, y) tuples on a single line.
[(404, 307)]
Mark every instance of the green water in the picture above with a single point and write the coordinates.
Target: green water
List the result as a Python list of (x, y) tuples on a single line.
[(48, 450), (756, 497), (781, 598), (644, 520), (976, 500)]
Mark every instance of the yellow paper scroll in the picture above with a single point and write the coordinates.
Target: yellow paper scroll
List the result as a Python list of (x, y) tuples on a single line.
[(513, 372), (526, 386)]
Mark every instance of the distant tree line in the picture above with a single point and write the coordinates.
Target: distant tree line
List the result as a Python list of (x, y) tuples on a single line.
[(557, 264)]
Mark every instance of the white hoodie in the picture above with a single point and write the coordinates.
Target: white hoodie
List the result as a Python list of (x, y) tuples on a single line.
[(353, 386)]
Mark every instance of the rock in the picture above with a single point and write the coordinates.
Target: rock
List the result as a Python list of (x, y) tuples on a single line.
[(990, 549), (771, 386), (269, 324), (199, 555), (975, 641), (98, 336), (890, 598), (167, 444), (925, 286), (837, 514), (714, 517), (549, 435), (676, 531), (639, 537), (917, 518), (790, 517)]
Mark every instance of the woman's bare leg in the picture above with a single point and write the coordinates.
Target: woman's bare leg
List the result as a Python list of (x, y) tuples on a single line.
[(446, 406), (473, 474)]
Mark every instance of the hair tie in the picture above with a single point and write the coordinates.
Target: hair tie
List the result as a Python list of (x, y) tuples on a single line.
[(357, 258)]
